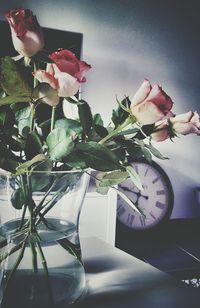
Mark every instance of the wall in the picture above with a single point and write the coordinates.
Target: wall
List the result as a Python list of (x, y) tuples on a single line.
[(126, 41)]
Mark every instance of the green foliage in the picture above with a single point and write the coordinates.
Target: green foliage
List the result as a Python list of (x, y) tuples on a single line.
[(98, 156), (69, 124), (119, 115), (85, 117), (23, 117), (60, 143), (134, 177), (110, 179), (18, 198), (33, 145), (29, 163), (13, 78)]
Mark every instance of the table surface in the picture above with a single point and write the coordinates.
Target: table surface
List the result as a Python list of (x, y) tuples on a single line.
[(116, 279)]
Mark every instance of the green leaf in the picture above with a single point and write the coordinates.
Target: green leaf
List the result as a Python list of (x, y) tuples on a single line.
[(13, 78), (103, 190), (97, 119), (8, 164), (33, 145), (41, 180), (120, 115), (113, 178), (98, 156), (18, 199), (60, 143), (134, 177), (38, 158), (69, 124), (23, 117), (101, 130), (75, 161), (14, 143), (155, 152), (2, 117), (3, 241), (146, 154), (8, 100), (7, 117), (85, 117)]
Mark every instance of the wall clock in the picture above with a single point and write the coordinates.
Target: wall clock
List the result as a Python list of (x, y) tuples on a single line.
[(155, 200)]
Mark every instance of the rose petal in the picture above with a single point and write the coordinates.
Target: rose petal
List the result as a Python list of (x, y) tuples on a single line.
[(67, 85), (141, 93), (160, 98), (44, 76), (147, 113)]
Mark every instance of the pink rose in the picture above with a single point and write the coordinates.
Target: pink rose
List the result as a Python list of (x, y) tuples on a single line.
[(186, 123), (162, 131), (150, 105), (67, 62), (26, 33), (65, 75)]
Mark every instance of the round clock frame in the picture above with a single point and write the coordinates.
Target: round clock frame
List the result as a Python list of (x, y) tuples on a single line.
[(155, 201)]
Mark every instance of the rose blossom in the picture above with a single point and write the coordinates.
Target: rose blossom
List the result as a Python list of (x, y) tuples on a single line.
[(65, 75), (67, 62), (150, 105), (26, 33), (162, 131), (186, 123)]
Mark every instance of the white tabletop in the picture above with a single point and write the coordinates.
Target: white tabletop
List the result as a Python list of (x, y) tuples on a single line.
[(116, 279)]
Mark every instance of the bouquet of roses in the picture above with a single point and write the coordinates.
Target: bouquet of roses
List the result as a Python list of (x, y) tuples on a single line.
[(63, 143), (36, 133)]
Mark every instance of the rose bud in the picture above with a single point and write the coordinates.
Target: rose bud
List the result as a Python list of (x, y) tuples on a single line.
[(186, 123), (66, 75), (150, 105), (26, 33), (162, 131)]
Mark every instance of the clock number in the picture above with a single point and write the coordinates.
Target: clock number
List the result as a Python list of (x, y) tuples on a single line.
[(130, 219), (160, 205), (142, 221), (155, 180), (136, 168), (152, 215), (160, 192), (146, 172), (120, 210)]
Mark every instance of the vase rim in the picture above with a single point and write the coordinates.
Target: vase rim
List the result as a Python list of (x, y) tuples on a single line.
[(47, 172)]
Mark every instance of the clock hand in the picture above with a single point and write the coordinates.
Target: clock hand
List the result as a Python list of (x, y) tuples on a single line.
[(138, 194)]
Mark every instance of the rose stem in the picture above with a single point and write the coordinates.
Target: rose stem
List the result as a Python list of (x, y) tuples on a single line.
[(53, 112), (116, 131), (20, 257), (45, 267)]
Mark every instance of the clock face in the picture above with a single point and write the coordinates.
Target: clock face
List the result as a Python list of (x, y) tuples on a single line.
[(155, 200)]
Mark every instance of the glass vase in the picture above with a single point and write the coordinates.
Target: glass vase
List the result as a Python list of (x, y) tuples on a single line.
[(41, 264)]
